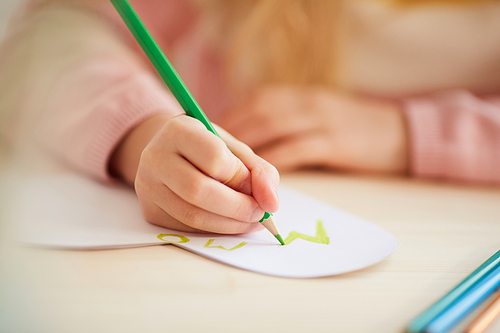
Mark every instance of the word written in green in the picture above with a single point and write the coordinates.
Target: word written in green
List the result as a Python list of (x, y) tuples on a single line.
[(321, 237), (208, 244), (210, 241)]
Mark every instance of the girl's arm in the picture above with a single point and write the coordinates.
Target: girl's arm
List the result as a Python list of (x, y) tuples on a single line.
[(454, 135), (73, 88), (78, 93)]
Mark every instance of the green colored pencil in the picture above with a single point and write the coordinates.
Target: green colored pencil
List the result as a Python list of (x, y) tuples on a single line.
[(173, 81)]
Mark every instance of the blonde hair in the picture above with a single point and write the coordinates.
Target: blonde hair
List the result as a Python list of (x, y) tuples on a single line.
[(286, 41), (272, 41)]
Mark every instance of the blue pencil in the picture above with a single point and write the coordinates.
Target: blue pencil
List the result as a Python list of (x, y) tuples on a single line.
[(466, 304), (420, 323)]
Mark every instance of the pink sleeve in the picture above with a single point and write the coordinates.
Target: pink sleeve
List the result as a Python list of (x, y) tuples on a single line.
[(93, 105), (108, 98), (77, 89), (455, 135)]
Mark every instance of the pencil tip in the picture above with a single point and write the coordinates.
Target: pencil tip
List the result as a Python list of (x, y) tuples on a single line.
[(280, 239)]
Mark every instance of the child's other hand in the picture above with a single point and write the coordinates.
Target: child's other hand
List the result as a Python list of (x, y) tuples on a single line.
[(295, 127), (188, 179)]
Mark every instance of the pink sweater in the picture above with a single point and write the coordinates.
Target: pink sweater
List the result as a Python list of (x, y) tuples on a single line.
[(93, 89)]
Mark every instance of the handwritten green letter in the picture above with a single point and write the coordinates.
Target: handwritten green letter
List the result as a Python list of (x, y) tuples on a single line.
[(182, 239), (210, 241), (320, 238)]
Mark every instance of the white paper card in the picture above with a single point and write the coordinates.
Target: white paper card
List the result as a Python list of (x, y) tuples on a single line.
[(77, 213)]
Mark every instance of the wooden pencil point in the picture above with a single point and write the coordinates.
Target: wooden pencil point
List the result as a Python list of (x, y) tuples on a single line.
[(270, 224)]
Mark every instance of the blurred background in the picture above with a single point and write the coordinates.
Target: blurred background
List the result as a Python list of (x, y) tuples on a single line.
[(6, 9), (11, 313)]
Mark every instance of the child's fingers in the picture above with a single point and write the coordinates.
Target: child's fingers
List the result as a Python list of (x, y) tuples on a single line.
[(297, 151), (157, 216), (174, 212), (210, 154), (265, 188), (269, 127), (207, 193), (271, 114), (265, 177)]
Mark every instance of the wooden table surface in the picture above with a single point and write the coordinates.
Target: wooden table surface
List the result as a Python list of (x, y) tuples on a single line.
[(445, 231)]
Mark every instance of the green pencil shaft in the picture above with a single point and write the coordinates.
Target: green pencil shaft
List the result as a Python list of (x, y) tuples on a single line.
[(420, 323), (163, 66), (161, 63)]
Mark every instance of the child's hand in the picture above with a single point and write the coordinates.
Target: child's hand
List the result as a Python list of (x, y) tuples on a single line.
[(308, 127), (188, 179)]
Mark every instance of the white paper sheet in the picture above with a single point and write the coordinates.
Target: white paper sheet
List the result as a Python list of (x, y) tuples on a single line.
[(77, 213)]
